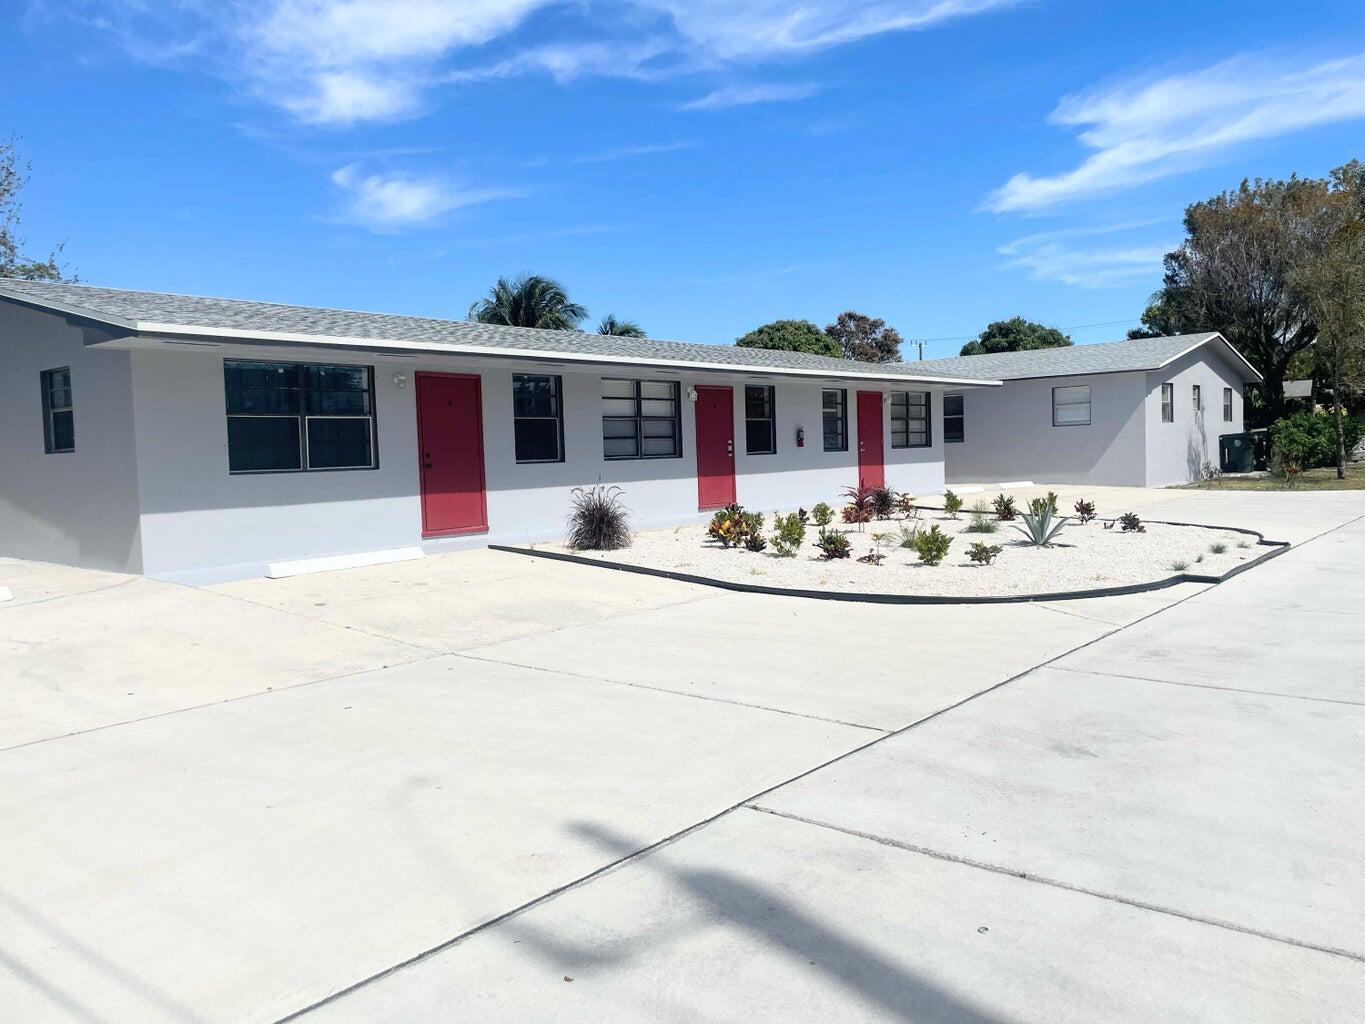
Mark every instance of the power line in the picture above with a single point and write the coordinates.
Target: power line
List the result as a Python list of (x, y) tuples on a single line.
[(1075, 327)]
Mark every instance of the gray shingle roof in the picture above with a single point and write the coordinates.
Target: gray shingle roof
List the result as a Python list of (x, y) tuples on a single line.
[(1075, 360), (160, 313)]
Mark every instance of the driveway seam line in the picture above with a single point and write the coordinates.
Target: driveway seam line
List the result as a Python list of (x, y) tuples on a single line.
[(665, 689), (1206, 686), (324, 622), (1030, 876)]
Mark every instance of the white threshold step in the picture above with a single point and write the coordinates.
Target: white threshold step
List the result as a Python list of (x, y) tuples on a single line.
[(331, 563)]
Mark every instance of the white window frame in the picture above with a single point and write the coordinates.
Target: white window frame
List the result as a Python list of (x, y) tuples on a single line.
[(1227, 405), (1168, 402)]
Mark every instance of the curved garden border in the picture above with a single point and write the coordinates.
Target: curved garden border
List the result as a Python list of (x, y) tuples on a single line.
[(1278, 547)]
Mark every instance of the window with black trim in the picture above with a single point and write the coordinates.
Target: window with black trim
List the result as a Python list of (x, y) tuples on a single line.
[(1227, 405), (537, 417), (1168, 403), (910, 419), (1071, 406), (954, 420), (59, 417), (641, 419), (298, 417), (834, 413), (760, 419)]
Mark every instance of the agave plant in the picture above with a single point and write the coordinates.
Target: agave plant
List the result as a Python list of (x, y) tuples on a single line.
[(1041, 527)]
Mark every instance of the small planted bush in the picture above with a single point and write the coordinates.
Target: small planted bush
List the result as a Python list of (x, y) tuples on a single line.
[(1218, 549), (952, 504), (1180, 566), (1040, 505), (984, 554), (598, 520), (727, 526), (859, 507), (753, 531), (1130, 523), (1085, 511), (981, 519), (822, 514), (875, 556), (908, 535), (832, 544), (882, 502), (1040, 527), (905, 504), (1051, 500), (932, 545), (1005, 510), (790, 534), (854, 515)]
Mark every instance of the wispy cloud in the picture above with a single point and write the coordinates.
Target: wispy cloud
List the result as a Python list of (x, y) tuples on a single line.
[(1153, 128), (390, 201), (744, 95), (1055, 256), (629, 152)]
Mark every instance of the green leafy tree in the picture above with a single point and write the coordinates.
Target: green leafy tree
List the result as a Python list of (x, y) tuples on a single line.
[(1015, 335), (791, 336), (528, 300), (14, 175), (864, 338), (620, 328)]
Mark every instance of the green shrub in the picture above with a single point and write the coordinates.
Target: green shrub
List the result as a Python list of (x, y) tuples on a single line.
[(1179, 566), (882, 502), (905, 503), (983, 554), (1130, 523), (932, 545), (822, 514), (790, 535), (1005, 510), (753, 531), (952, 504), (1052, 501), (1039, 506), (832, 544), (1218, 549), (981, 519), (908, 535), (727, 526), (1309, 439)]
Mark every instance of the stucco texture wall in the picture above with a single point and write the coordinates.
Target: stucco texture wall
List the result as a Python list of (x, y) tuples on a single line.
[(1178, 451)]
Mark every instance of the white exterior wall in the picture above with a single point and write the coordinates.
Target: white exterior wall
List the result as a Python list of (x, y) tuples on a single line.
[(1177, 451), (1008, 434), (75, 507), (201, 523)]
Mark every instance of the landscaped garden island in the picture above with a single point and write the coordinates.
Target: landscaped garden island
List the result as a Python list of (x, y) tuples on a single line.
[(882, 543)]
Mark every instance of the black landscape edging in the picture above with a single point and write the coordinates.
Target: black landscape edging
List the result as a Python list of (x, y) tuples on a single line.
[(1279, 546)]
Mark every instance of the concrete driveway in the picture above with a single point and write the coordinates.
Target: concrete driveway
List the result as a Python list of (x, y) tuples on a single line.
[(486, 787)]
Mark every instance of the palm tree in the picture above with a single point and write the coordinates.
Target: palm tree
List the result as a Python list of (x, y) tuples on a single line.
[(528, 300), (620, 328)]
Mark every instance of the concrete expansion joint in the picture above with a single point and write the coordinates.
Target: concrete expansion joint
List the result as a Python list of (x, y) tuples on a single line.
[(1030, 876), (1208, 686)]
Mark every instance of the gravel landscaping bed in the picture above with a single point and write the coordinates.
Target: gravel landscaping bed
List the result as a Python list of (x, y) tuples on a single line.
[(1082, 558)]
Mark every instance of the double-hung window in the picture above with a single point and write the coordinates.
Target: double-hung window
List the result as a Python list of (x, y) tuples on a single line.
[(297, 417), (59, 418), (1227, 405), (1168, 403), (1198, 398), (910, 419), (834, 413), (954, 419), (760, 423), (1071, 406), (537, 417), (641, 419)]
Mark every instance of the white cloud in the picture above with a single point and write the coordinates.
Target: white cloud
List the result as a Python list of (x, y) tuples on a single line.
[(390, 201), (627, 152), (744, 95), (1146, 130), (1053, 256)]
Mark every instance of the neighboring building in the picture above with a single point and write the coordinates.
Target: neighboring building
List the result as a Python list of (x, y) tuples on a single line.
[(1146, 412), (199, 439)]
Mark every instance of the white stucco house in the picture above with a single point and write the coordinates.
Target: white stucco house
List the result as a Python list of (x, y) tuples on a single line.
[(1145, 413), (199, 439)]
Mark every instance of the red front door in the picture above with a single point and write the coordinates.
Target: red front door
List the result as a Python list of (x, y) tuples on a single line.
[(715, 447), (450, 442), (871, 462)]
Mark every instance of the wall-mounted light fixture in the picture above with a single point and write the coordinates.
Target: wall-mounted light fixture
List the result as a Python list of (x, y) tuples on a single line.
[(691, 393), (400, 379)]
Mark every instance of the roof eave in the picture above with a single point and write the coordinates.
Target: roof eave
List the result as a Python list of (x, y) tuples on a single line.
[(1256, 376)]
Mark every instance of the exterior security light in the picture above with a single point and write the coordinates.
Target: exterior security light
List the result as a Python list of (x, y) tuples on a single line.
[(400, 380)]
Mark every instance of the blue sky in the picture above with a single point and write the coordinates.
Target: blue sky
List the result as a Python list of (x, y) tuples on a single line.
[(702, 167)]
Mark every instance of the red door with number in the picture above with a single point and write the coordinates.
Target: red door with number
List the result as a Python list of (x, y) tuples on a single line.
[(450, 442), (871, 461), (715, 447)]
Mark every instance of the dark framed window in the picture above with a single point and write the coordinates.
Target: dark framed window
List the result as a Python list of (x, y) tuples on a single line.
[(641, 419), (834, 413), (298, 417), (1197, 394), (954, 420), (760, 419), (1227, 405), (538, 417), (1168, 403), (59, 417), (1071, 406), (910, 419)]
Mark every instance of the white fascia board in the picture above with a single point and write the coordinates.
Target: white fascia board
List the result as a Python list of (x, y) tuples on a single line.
[(381, 344), (1215, 336)]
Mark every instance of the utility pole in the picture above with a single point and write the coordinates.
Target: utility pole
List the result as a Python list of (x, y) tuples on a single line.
[(921, 350)]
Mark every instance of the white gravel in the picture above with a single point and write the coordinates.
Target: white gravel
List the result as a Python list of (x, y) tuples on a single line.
[(1082, 558)]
